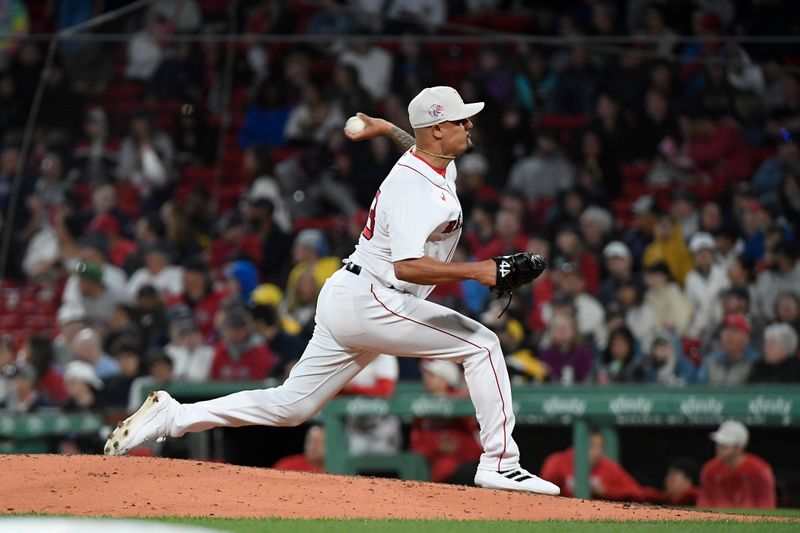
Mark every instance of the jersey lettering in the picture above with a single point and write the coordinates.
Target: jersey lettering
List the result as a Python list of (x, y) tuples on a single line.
[(369, 229), (453, 225)]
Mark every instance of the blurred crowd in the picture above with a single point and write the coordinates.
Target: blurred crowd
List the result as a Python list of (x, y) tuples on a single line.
[(183, 201)]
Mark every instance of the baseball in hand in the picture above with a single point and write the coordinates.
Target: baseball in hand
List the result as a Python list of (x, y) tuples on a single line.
[(355, 125)]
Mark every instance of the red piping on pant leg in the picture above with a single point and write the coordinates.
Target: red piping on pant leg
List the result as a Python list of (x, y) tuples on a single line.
[(488, 352)]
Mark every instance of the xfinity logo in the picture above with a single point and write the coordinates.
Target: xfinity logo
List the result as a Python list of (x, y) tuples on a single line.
[(367, 407), (630, 404), (701, 406), (769, 406), (558, 406)]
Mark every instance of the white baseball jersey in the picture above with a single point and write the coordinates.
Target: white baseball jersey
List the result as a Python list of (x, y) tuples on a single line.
[(415, 212)]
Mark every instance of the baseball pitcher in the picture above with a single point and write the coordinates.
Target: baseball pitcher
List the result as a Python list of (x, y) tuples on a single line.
[(376, 305)]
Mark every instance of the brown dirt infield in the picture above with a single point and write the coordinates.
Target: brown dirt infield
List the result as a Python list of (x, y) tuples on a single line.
[(135, 486)]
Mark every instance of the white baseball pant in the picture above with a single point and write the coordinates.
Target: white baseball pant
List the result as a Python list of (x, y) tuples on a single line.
[(357, 319)]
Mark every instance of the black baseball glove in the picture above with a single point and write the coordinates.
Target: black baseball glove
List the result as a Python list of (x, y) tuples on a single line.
[(515, 270)]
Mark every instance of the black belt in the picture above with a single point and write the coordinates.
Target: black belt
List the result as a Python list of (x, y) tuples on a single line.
[(354, 268)]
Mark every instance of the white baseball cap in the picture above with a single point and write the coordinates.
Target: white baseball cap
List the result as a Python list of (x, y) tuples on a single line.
[(702, 241), (435, 105), (617, 249), (731, 433), (82, 371), (446, 370)]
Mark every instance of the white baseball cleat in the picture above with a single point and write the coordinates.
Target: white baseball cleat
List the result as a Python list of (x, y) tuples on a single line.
[(148, 423), (515, 479)]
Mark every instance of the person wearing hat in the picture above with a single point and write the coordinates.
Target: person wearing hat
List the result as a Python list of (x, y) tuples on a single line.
[(669, 305), (191, 356), (83, 387), (730, 364), (445, 443), (619, 269), (377, 304), (93, 248), (736, 300), (97, 299), (270, 295), (242, 279), (24, 397), (735, 479), (241, 354), (70, 319), (704, 285), (157, 271)]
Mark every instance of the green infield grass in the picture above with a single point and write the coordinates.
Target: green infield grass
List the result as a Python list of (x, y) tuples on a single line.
[(790, 524), (460, 526)]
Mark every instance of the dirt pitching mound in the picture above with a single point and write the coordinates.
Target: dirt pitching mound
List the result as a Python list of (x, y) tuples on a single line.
[(134, 486)]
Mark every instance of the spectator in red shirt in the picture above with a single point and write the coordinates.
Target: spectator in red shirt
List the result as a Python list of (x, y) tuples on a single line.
[(199, 295), (235, 241), (242, 354), (735, 478), (119, 248), (313, 457), (445, 442), (608, 480), (479, 229), (39, 354), (717, 148), (508, 238), (679, 487)]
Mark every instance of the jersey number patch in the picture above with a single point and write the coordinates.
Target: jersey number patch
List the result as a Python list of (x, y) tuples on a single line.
[(369, 229)]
